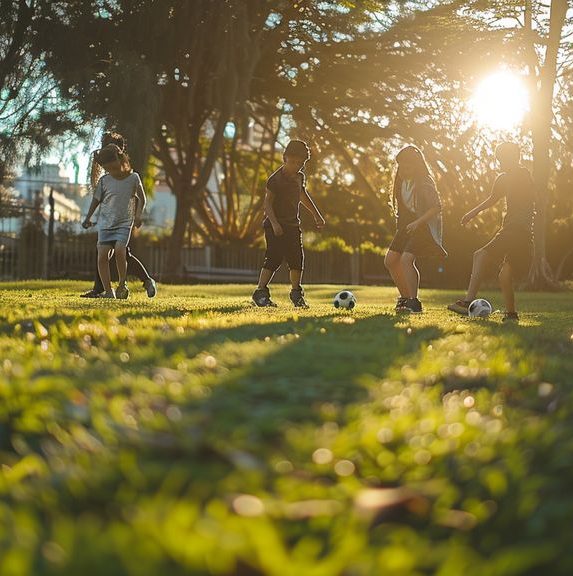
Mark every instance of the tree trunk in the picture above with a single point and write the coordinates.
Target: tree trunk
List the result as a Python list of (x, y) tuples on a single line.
[(540, 275), (172, 266), (561, 267)]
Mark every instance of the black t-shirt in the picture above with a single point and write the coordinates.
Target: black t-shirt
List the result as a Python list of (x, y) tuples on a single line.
[(287, 191), (517, 187)]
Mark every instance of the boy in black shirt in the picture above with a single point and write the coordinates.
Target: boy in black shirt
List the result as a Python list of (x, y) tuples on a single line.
[(512, 246), (285, 191)]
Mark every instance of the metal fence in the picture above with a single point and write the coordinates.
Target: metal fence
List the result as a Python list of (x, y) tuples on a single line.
[(28, 249)]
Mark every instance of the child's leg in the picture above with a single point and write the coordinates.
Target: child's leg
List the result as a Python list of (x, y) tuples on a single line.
[(410, 273), (478, 270), (392, 263), (135, 267), (121, 261), (103, 267), (112, 265), (295, 278), (273, 257), (506, 284), (265, 277)]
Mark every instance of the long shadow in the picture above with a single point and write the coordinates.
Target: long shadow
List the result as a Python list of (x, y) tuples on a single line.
[(315, 369), (308, 380)]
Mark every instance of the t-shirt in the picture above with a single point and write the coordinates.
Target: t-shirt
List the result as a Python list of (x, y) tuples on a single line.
[(118, 200), (408, 195), (287, 191), (517, 187), (415, 198)]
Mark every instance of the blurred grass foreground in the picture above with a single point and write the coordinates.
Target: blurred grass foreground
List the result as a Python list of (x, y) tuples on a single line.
[(192, 434)]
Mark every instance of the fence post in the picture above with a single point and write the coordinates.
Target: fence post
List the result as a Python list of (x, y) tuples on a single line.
[(49, 260), (355, 267)]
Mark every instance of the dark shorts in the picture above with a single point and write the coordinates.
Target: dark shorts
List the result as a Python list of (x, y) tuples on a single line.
[(512, 246), (420, 243), (286, 247)]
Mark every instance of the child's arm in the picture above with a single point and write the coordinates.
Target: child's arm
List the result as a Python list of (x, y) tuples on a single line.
[(491, 200), (270, 213), (140, 202), (93, 206), (311, 207), (433, 211)]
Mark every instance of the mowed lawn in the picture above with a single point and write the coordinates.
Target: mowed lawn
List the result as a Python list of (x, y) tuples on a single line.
[(193, 434)]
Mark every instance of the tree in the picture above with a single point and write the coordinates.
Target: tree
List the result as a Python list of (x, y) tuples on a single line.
[(543, 70), (33, 114)]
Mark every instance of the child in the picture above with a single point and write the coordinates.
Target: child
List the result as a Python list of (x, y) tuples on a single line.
[(122, 200), (512, 245), (134, 266), (285, 191), (418, 228)]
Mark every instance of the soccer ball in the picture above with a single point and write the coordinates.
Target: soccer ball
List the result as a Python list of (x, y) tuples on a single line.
[(345, 299), (479, 308)]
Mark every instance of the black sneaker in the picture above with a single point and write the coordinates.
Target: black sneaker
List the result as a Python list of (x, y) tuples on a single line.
[(150, 287), (412, 305), (460, 307), (91, 294), (262, 297), (400, 302), (297, 297), (122, 292), (510, 316)]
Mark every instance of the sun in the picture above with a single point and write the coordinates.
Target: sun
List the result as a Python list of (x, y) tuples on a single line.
[(500, 101)]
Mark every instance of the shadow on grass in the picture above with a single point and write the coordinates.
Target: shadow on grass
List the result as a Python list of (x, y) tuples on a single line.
[(309, 379)]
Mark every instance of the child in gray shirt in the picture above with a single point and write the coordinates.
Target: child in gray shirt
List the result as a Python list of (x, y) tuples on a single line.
[(121, 198)]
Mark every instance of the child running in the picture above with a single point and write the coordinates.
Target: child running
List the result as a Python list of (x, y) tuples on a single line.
[(512, 245), (122, 200), (285, 191), (418, 227), (134, 266)]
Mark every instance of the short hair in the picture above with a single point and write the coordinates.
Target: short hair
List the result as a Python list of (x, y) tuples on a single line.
[(508, 151), (297, 148)]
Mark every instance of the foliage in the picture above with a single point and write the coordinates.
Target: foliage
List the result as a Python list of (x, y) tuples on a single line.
[(193, 434), (33, 114)]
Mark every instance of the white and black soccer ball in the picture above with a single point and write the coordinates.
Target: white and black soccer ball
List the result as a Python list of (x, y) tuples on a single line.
[(480, 308), (345, 299)]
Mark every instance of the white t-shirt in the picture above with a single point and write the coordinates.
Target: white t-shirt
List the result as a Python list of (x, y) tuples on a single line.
[(118, 200), (408, 194)]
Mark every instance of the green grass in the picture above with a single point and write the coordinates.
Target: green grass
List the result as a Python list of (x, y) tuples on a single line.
[(192, 434)]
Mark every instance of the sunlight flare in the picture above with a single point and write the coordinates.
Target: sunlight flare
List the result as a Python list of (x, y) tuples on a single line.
[(500, 101)]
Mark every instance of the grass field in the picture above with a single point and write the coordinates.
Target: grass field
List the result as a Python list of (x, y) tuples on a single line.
[(193, 434)]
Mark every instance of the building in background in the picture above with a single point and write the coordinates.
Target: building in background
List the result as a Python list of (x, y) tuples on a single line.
[(34, 186)]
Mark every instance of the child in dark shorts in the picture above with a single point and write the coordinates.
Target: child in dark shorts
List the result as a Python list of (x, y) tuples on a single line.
[(285, 191), (512, 245), (418, 229)]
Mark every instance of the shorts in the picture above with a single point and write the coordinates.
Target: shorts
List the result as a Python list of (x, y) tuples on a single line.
[(513, 246), (421, 243), (115, 237), (286, 247)]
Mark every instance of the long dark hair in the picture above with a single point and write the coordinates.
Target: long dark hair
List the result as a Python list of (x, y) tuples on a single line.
[(109, 137), (421, 170)]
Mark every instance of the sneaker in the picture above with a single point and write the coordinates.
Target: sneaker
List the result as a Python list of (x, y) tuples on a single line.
[(411, 305), (107, 294), (91, 294), (262, 297), (122, 292), (460, 307), (150, 287), (297, 297), (400, 303), (510, 316)]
